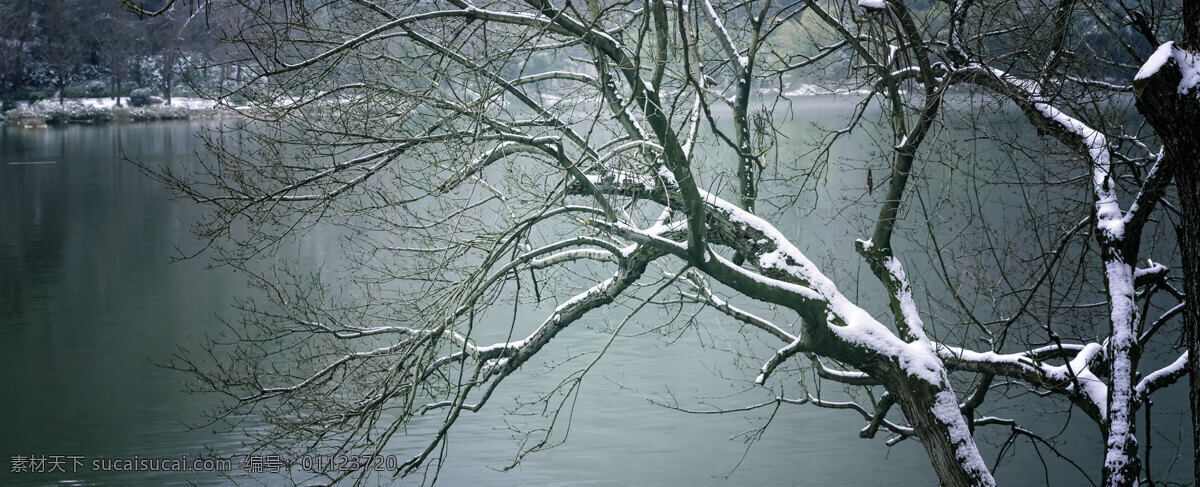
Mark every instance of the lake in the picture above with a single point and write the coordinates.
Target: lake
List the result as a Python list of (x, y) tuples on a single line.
[(91, 301)]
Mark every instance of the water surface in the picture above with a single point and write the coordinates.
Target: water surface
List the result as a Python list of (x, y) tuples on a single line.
[(90, 301)]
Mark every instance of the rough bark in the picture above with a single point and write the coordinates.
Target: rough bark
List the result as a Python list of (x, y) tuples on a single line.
[(949, 454), (1188, 184), (1175, 117)]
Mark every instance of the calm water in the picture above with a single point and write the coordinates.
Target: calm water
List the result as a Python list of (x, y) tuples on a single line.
[(90, 301)]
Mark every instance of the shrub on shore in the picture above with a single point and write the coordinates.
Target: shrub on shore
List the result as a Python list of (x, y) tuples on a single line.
[(51, 112), (142, 97)]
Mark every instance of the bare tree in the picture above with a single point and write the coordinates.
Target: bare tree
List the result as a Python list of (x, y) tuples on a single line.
[(63, 50), (500, 160), (14, 52), (119, 41)]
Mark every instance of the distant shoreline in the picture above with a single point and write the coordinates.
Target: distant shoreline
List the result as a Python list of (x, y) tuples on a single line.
[(106, 110)]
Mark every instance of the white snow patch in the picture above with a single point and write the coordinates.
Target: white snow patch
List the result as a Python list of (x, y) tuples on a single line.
[(184, 102), (1189, 65), (945, 408), (1033, 87), (848, 321), (1091, 386), (805, 89), (623, 178), (874, 4), (1120, 290), (726, 41), (1156, 61), (109, 102), (497, 346), (1152, 269), (1108, 212), (1175, 367), (908, 308)]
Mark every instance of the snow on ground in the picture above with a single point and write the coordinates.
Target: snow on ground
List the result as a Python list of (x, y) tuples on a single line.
[(805, 89), (109, 102)]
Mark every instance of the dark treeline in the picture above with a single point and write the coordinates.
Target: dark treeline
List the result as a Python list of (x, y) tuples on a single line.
[(72, 48)]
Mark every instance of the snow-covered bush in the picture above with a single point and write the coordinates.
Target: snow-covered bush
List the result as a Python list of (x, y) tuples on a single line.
[(151, 113), (95, 88), (53, 112), (23, 116), (142, 97)]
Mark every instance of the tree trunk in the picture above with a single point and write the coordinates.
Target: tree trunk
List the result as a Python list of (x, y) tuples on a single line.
[(933, 412), (167, 81), (116, 88), (747, 170), (6, 94), (1187, 180), (1121, 464), (1175, 117), (168, 74)]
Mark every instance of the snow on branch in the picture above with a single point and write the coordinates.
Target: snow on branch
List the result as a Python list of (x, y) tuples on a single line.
[(1162, 377), (840, 376), (787, 277), (1152, 273), (1188, 62), (1074, 378), (1108, 212), (740, 63), (780, 356), (844, 319)]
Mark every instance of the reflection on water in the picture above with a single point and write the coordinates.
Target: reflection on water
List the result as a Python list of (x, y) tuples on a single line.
[(89, 301)]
